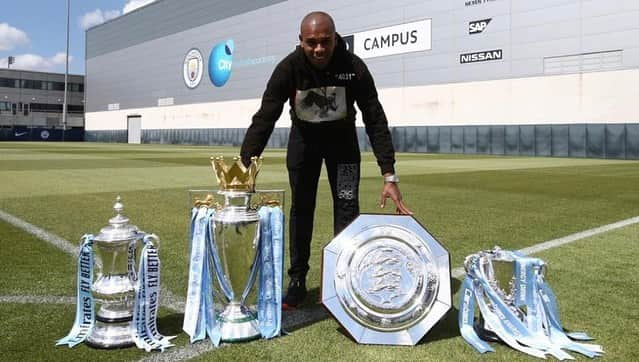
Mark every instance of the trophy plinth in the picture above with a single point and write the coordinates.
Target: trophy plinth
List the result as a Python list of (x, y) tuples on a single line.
[(114, 289)]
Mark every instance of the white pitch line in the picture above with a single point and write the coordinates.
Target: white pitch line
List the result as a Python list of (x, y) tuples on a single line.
[(167, 299), (37, 299), (290, 319), (50, 238), (459, 272), (577, 236)]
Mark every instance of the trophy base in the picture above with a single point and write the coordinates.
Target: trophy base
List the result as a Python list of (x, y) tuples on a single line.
[(111, 335), (238, 324)]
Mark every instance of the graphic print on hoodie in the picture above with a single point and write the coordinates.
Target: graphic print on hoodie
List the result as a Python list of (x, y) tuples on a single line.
[(321, 104)]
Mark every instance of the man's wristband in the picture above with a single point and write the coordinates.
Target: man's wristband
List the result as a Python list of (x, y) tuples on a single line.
[(391, 179)]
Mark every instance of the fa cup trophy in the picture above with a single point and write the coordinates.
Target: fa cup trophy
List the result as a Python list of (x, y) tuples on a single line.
[(234, 245), (128, 300)]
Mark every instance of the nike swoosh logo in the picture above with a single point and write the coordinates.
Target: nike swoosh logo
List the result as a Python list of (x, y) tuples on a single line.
[(20, 134)]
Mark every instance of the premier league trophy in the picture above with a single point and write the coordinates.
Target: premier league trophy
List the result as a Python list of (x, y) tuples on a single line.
[(128, 300), (516, 306), (235, 244), (386, 280)]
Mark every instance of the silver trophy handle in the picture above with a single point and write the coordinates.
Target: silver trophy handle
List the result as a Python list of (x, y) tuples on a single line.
[(153, 239)]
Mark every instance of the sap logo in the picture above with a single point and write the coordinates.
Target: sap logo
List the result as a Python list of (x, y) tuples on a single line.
[(221, 63), (480, 56), (476, 27), (345, 76)]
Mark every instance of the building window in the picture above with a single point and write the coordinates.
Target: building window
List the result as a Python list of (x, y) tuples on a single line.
[(584, 62), (40, 85), (7, 82), (58, 86)]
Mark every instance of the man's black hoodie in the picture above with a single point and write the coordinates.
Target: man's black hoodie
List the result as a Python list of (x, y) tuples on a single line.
[(295, 77)]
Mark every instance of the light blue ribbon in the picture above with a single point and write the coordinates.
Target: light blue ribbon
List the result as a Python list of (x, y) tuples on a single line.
[(147, 300), (501, 318), (211, 323), (200, 317), (498, 323), (467, 317), (269, 304), (539, 333), (85, 312), (557, 334), (526, 271), (194, 314), (277, 222)]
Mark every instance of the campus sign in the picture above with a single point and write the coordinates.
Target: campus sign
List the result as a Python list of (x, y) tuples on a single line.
[(398, 39)]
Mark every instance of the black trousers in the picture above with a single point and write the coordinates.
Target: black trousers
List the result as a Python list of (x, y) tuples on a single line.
[(310, 144)]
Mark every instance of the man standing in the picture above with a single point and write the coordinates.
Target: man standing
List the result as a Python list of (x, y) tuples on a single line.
[(322, 80)]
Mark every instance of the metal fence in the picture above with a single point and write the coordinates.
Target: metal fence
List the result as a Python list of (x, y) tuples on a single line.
[(616, 141)]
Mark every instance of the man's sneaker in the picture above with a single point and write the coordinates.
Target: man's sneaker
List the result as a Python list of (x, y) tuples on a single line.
[(295, 294)]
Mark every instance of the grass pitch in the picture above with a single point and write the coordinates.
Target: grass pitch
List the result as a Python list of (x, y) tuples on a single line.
[(467, 202)]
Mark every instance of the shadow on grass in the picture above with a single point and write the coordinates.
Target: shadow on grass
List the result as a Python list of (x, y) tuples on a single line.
[(455, 285), (308, 314), (171, 324)]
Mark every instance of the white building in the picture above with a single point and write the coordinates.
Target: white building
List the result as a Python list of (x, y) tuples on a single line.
[(544, 77)]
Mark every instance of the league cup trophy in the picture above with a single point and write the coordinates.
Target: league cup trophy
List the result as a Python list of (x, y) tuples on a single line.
[(128, 301), (235, 244), (516, 306)]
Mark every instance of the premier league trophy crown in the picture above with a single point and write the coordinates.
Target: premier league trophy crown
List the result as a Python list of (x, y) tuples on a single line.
[(516, 307), (128, 300), (234, 245)]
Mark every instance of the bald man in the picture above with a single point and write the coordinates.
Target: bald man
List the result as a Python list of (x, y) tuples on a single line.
[(321, 80)]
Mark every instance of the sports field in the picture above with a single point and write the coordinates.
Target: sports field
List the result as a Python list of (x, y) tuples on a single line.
[(53, 193)]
